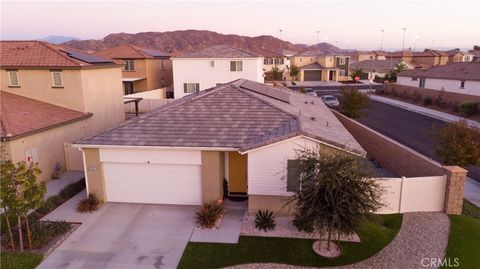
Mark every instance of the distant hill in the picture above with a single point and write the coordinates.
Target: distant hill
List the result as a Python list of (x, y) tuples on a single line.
[(178, 42), (326, 46), (54, 39)]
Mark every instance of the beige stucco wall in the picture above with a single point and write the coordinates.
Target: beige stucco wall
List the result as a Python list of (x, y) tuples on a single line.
[(94, 173), (155, 73), (49, 146), (103, 96), (303, 60), (37, 84), (213, 173)]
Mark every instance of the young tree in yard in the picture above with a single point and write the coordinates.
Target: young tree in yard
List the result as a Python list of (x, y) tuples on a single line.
[(356, 73), (335, 191), (352, 102), (458, 144), (7, 194), (21, 193), (294, 71), (392, 75), (277, 74)]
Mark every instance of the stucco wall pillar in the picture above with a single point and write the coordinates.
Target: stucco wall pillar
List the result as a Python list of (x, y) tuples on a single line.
[(213, 173), (456, 178)]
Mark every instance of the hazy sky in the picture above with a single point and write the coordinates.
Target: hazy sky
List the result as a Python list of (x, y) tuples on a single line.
[(347, 24)]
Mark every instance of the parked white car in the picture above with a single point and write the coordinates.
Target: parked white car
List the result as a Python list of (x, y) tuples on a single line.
[(310, 91), (330, 100)]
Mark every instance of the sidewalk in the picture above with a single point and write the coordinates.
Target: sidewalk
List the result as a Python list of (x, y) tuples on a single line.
[(423, 110), (54, 186)]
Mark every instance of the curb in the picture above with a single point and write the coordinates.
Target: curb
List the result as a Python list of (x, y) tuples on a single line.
[(431, 115)]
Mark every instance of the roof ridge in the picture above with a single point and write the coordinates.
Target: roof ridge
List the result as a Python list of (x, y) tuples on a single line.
[(243, 50), (50, 47)]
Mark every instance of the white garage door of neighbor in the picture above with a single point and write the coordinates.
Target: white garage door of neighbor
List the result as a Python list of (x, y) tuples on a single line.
[(153, 183)]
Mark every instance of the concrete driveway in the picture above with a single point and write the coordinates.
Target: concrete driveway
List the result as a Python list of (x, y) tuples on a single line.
[(122, 235)]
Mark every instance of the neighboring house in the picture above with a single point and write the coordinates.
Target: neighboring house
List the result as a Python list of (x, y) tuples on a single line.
[(273, 59), (475, 54), (244, 133), (455, 56), (144, 69), (207, 68), (373, 68), (425, 59), (455, 77), (319, 65), (358, 55), (52, 95)]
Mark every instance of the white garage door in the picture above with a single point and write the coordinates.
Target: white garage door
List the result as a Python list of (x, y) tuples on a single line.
[(153, 183)]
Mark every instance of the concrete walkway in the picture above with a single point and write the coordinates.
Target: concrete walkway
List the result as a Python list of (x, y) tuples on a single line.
[(422, 236), (423, 110), (68, 210), (54, 186)]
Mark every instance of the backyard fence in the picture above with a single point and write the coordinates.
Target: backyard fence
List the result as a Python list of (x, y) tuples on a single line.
[(151, 100), (413, 194), (425, 185)]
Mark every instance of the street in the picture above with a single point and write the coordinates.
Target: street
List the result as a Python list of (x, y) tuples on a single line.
[(409, 128)]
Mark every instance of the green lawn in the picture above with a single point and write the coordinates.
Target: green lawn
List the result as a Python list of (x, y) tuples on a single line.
[(375, 233), (20, 260), (464, 239)]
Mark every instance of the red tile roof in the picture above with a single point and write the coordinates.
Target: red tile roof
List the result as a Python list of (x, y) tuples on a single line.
[(131, 52), (21, 116), (41, 54)]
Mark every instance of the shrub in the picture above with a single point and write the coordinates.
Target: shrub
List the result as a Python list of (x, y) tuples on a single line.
[(427, 101), (89, 204), (209, 214), (417, 97), (72, 189), (264, 220), (303, 224), (457, 143), (469, 108), (352, 102)]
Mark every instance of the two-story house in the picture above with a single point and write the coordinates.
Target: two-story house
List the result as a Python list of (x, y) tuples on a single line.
[(273, 60), (463, 77), (51, 95), (209, 67), (425, 59), (144, 69), (319, 65)]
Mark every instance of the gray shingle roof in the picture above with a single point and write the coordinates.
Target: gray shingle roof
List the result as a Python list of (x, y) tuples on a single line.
[(460, 71), (377, 65), (232, 116), (219, 51)]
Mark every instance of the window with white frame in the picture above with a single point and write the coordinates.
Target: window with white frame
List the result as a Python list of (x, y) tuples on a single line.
[(57, 79), (341, 61), (191, 87), (13, 78), (414, 79), (212, 64), (342, 73), (129, 65), (462, 84), (278, 61), (236, 66), (267, 61), (421, 83)]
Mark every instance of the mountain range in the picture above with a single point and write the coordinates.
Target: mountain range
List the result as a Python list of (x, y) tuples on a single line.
[(177, 42)]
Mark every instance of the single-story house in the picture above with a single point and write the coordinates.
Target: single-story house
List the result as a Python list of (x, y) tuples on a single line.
[(243, 133)]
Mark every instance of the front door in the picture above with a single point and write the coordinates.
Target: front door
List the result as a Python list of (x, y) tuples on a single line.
[(331, 75), (237, 173)]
